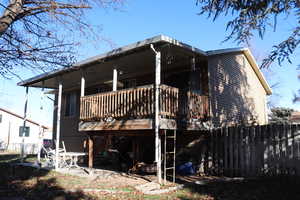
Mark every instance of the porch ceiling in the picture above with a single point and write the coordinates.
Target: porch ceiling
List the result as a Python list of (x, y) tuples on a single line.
[(131, 60)]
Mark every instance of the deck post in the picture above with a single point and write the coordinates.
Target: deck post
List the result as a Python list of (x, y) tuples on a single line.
[(90, 151), (157, 117), (82, 88), (24, 125), (60, 88), (41, 129), (115, 79)]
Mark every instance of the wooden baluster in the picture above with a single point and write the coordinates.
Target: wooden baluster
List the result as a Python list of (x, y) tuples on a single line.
[(91, 107), (81, 105), (122, 104), (114, 104), (131, 103), (139, 102), (87, 108), (118, 104), (126, 102), (161, 93), (106, 105), (143, 101), (169, 100), (110, 104), (96, 107), (148, 101), (100, 107), (134, 103)]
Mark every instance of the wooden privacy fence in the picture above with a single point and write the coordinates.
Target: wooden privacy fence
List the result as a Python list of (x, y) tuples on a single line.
[(253, 151)]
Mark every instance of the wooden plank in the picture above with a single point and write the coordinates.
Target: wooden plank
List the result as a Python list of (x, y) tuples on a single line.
[(286, 150), (280, 149), (213, 143), (294, 149), (246, 151), (251, 152), (236, 150), (136, 124), (221, 149), (289, 154), (242, 152), (258, 150), (230, 143), (216, 143), (226, 150)]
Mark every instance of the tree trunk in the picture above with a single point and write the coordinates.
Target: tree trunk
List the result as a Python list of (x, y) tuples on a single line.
[(10, 14)]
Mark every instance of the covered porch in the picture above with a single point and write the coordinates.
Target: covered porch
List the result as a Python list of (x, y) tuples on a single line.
[(154, 85)]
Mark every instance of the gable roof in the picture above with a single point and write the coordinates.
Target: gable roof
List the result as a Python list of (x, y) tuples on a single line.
[(251, 60), (160, 39), (19, 116)]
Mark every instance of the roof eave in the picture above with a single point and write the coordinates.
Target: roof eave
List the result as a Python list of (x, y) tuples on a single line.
[(115, 52)]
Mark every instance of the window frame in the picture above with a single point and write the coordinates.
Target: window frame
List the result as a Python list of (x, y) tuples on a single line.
[(70, 107), (27, 131)]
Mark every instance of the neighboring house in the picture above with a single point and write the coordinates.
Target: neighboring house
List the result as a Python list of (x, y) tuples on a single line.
[(114, 93), (11, 126), (295, 117)]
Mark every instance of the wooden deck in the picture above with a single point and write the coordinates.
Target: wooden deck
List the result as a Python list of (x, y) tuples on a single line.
[(133, 109)]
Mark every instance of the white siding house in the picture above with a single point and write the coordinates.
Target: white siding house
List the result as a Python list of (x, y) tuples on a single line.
[(11, 126)]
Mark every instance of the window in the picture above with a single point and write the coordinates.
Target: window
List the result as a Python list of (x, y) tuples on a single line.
[(70, 104), (0, 118), (26, 131)]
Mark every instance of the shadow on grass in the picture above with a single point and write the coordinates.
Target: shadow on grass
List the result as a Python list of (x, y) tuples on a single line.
[(275, 188), (23, 182)]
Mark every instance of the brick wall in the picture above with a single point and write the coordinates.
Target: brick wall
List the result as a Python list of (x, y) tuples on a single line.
[(236, 94)]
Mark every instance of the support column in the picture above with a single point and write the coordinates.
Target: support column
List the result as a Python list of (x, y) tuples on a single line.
[(157, 117), (41, 130), (24, 125), (82, 88), (60, 88), (115, 79), (91, 151)]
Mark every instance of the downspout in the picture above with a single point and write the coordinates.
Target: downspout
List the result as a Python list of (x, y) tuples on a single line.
[(157, 118)]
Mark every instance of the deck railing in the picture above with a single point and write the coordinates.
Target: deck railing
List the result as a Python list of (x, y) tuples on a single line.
[(138, 103)]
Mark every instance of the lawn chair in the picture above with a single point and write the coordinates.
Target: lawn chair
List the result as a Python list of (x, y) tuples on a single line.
[(50, 156)]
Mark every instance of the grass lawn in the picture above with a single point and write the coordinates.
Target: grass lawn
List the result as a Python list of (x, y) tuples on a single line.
[(30, 183)]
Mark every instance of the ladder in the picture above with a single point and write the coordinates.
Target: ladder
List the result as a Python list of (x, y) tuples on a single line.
[(169, 153)]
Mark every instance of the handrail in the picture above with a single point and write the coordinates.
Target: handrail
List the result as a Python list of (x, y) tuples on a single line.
[(138, 103)]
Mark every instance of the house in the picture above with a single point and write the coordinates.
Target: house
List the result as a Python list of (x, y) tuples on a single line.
[(295, 117), (150, 88), (11, 126)]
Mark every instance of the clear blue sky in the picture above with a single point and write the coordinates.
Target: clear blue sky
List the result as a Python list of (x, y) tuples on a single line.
[(138, 20)]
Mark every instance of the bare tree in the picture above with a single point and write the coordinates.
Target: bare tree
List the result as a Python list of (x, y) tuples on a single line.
[(249, 16), (41, 34)]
